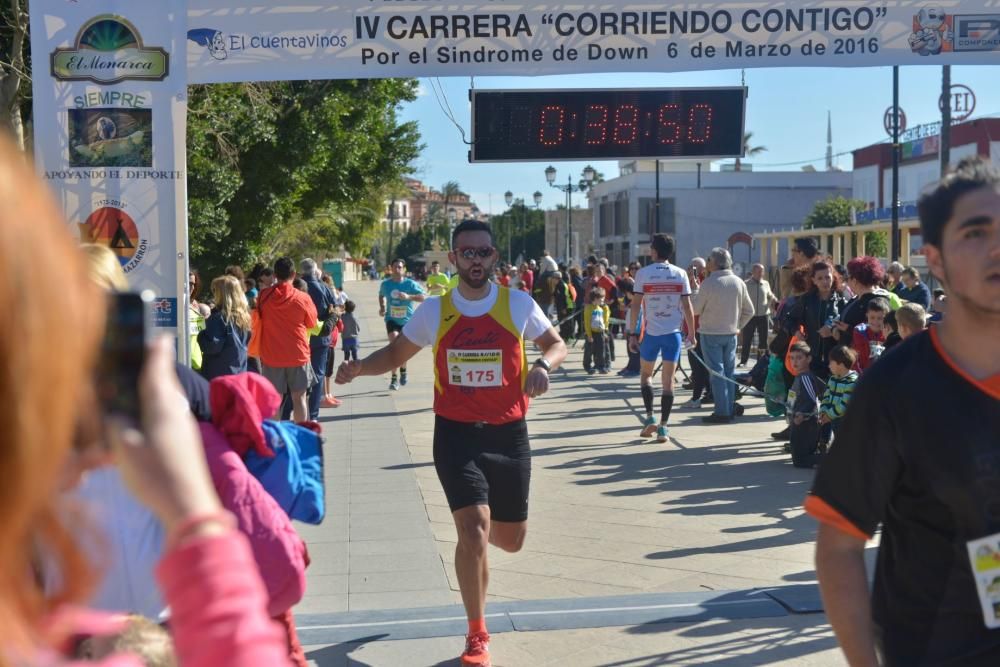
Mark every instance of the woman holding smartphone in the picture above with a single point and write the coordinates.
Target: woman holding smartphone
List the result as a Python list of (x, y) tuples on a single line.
[(207, 574)]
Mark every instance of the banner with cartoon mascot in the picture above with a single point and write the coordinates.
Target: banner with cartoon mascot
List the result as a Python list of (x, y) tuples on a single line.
[(315, 39), (110, 110), (110, 76)]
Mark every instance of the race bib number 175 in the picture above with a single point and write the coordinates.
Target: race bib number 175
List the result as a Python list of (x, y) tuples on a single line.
[(475, 368)]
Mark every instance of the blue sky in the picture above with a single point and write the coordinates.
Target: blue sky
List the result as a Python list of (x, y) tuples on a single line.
[(786, 111)]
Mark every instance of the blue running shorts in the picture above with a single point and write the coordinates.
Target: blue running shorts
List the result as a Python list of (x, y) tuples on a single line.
[(667, 346)]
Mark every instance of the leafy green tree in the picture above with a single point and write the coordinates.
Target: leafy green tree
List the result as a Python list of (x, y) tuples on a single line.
[(527, 229), (322, 235), (266, 156), (414, 242), (836, 212)]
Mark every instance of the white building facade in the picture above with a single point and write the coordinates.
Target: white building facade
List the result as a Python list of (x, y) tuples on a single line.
[(703, 210)]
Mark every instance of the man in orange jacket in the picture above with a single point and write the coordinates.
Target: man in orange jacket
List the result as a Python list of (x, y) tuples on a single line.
[(286, 316)]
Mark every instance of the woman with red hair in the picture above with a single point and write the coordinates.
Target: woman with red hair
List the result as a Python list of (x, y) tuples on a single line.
[(207, 575), (864, 277)]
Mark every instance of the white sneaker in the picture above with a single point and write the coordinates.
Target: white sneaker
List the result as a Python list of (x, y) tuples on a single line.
[(693, 404)]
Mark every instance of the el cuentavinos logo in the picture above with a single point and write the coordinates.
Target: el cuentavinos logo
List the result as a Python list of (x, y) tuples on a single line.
[(108, 50)]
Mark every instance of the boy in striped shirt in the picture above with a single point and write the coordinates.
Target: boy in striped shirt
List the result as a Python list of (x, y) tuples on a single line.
[(838, 389), (802, 408)]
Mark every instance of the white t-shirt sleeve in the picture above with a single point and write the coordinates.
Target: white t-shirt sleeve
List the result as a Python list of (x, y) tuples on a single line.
[(687, 284), (524, 309), (423, 325), (639, 283)]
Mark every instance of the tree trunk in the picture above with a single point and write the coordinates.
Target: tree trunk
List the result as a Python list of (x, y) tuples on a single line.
[(17, 126), (10, 84)]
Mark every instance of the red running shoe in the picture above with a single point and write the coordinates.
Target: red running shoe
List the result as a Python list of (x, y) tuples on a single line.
[(477, 650)]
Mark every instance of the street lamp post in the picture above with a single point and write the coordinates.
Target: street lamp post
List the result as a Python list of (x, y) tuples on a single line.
[(508, 198), (537, 198), (452, 216), (569, 189)]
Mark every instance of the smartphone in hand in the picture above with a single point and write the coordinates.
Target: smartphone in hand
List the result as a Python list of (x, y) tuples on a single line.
[(123, 354)]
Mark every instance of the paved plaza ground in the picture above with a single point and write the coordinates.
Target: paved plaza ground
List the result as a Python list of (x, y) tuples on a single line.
[(638, 553)]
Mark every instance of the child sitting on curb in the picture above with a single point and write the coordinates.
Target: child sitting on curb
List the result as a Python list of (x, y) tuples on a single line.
[(911, 318), (803, 408), (838, 391), (869, 337)]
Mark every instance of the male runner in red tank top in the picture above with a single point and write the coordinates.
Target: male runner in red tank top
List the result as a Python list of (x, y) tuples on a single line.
[(483, 382)]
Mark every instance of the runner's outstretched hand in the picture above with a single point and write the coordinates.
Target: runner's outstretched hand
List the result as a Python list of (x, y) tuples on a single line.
[(348, 370), (633, 344), (537, 382)]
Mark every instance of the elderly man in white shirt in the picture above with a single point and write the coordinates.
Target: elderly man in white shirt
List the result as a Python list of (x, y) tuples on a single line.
[(723, 307), (548, 263)]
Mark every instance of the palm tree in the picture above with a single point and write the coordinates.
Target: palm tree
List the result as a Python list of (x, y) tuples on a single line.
[(450, 190), (748, 150)]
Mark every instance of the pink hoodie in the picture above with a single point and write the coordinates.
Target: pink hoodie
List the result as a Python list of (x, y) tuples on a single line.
[(239, 404)]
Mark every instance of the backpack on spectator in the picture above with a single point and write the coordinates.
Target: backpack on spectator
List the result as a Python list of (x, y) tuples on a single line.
[(294, 474)]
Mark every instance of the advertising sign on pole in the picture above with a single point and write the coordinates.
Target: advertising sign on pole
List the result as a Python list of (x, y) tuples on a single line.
[(110, 116)]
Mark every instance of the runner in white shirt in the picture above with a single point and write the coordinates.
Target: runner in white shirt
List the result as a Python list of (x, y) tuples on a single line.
[(664, 294), (482, 386)]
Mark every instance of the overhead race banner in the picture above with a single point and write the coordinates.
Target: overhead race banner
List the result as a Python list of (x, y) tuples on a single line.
[(109, 118), (310, 39)]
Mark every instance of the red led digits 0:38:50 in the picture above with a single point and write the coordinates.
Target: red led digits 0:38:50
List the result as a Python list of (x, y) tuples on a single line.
[(661, 123)]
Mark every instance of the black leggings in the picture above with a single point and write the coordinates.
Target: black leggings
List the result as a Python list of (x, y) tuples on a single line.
[(699, 374)]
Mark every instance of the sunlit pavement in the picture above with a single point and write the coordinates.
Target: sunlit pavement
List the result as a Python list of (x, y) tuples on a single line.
[(675, 534)]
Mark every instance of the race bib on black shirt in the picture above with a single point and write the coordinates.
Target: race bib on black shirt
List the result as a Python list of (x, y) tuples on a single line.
[(918, 452)]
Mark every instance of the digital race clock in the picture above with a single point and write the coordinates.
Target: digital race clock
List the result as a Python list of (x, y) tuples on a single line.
[(545, 125)]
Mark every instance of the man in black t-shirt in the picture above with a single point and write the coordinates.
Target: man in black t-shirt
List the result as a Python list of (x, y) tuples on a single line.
[(918, 453)]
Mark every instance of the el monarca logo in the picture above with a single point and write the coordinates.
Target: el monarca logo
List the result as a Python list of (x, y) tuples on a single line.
[(114, 228), (108, 50)]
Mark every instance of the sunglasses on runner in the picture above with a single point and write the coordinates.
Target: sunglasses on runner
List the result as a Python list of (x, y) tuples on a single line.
[(472, 253)]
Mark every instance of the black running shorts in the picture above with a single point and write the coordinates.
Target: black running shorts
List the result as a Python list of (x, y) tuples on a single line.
[(480, 464), (392, 326)]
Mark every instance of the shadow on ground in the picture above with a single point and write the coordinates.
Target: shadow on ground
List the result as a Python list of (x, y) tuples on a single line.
[(735, 644), (339, 655), (750, 479)]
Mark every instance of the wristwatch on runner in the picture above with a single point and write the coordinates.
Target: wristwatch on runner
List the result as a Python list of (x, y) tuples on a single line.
[(541, 361)]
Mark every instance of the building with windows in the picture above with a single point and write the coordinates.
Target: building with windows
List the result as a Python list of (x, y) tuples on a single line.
[(919, 168), (703, 209), (421, 203), (920, 163), (574, 231)]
